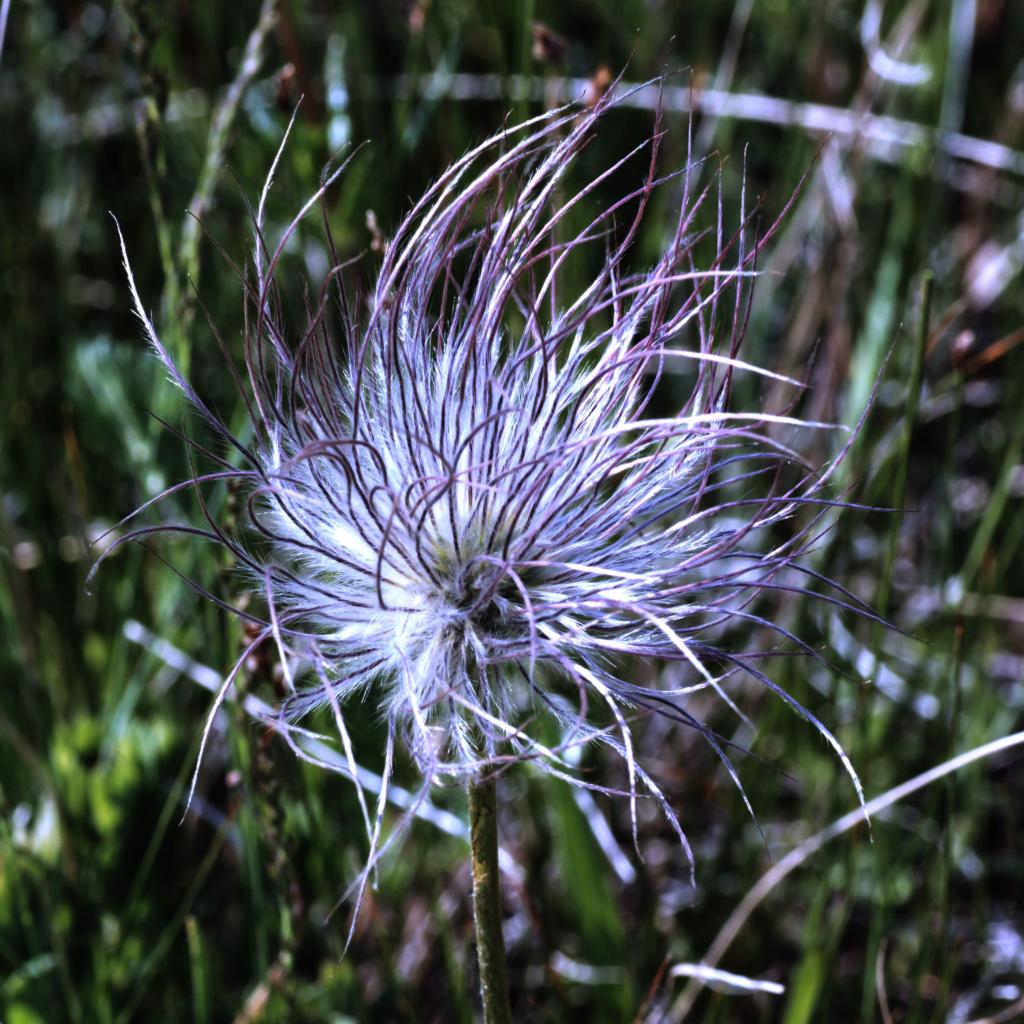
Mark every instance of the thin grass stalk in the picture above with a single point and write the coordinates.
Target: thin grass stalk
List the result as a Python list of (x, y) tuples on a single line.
[(799, 854), (902, 468), (214, 160)]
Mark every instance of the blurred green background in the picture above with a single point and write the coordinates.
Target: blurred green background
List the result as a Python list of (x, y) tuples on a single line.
[(910, 117)]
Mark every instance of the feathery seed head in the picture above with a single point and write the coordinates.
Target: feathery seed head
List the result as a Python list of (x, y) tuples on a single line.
[(468, 507)]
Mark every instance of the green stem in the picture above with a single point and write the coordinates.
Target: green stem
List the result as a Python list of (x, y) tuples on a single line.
[(490, 943)]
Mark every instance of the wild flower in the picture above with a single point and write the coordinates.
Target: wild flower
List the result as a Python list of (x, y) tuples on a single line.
[(466, 505)]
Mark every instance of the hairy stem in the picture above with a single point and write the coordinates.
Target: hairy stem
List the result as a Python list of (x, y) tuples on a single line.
[(490, 943)]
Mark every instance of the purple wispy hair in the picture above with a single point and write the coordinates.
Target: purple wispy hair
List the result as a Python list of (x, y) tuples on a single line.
[(465, 510)]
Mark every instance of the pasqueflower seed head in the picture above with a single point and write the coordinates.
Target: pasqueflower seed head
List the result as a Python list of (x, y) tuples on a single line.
[(467, 504)]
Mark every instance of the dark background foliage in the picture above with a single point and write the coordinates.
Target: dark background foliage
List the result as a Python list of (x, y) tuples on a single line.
[(110, 910)]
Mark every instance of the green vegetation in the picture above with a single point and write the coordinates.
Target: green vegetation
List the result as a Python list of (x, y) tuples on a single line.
[(112, 910)]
